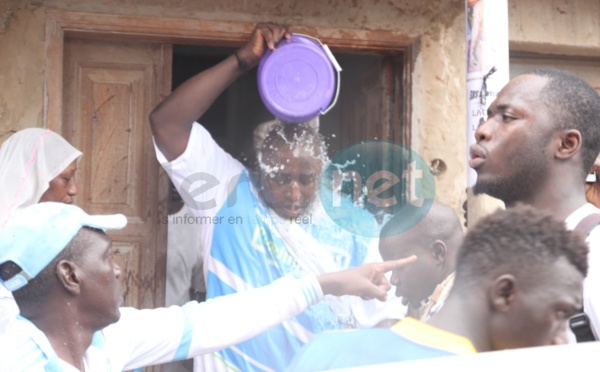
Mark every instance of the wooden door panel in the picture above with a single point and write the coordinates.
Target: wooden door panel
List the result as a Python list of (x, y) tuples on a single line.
[(114, 97), (109, 89), (127, 260), (371, 98)]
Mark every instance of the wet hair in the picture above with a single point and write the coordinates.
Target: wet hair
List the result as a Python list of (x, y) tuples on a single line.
[(573, 104), (521, 241), (38, 288), (298, 137)]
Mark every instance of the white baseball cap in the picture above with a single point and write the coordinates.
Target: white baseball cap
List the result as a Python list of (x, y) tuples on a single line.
[(34, 236)]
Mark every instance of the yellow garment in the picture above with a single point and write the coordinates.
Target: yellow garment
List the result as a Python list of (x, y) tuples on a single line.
[(428, 335)]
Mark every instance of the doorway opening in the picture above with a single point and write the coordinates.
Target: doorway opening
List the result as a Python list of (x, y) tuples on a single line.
[(239, 109), (369, 106)]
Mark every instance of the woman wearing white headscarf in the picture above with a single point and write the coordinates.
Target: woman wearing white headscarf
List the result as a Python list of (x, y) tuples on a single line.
[(36, 165)]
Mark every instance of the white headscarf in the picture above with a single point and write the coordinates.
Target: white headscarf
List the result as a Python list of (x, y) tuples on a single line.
[(29, 160)]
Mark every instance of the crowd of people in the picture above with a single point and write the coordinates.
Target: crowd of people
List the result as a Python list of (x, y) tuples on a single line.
[(308, 295)]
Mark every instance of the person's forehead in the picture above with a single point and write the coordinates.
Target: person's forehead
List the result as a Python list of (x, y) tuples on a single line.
[(73, 164), (565, 272), (300, 146), (523, 88), (71, 167), (292, 156), (400, 243), (97, 238), (561, 279)]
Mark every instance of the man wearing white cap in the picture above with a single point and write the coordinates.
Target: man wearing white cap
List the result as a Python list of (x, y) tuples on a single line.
[(58, 262)]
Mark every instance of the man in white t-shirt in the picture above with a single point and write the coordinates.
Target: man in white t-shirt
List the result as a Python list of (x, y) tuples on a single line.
[(258, 225), (541, 138), (58, 262), (8, 308), (185, 278)]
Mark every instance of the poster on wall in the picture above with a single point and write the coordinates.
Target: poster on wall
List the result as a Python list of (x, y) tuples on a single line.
[(487, 62)]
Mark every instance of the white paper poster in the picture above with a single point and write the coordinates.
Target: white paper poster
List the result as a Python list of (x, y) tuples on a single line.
[(487, 62)]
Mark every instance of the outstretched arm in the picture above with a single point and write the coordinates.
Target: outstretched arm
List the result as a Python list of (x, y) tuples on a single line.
[(249, 313), (367, 281), (172, 119)]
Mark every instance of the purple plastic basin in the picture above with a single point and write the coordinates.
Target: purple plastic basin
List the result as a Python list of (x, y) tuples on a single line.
[(296, 81)]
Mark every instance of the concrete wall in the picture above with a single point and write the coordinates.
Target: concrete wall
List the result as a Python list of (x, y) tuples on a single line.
[(566, 27), (438, 98), (21, 65)]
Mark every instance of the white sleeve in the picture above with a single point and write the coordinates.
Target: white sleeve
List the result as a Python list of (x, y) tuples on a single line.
[(154, 336), (203, 173), (591, 284), (184, 258)]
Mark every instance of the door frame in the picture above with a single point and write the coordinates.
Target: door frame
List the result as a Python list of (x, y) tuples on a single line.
[(61, 24)]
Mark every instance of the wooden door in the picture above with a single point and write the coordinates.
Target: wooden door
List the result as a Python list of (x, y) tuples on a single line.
[(373, 108), (109, 89)]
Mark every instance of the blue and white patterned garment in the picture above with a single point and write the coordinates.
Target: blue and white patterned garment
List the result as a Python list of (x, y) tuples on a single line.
[(409, 339), (244, 249), (155, 336)]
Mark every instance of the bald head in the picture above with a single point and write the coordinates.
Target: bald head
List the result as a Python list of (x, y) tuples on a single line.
[(440, 222), (434, 240)]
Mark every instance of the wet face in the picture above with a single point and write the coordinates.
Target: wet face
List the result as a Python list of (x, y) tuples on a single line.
[(100, 280), (540, 313), (62, 188), (415, 282), (289, 178), (512, 153)]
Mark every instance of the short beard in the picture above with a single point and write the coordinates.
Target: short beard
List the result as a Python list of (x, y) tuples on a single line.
[(531, 170), (518, 187), (497, 188)]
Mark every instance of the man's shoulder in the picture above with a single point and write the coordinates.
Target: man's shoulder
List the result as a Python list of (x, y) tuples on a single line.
[(591, 223), (18, 350), (342, 349), (587, 214), (595, 232), (345, 341), (364, 347), (346, 216)]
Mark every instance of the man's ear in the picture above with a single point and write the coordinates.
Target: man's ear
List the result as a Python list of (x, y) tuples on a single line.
[(569, 143), (503, 292), (439, 251), (68, 275)]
